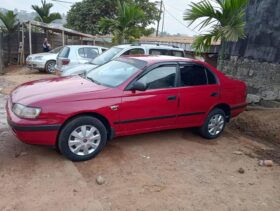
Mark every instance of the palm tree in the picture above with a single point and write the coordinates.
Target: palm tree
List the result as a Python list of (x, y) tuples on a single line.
[(226, 18), (126, 26), (44, 14), (9, 26)]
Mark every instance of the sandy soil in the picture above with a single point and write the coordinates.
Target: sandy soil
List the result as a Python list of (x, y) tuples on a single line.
[(170, 170)]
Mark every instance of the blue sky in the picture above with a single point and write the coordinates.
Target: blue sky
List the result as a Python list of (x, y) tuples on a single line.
[(173, 16)]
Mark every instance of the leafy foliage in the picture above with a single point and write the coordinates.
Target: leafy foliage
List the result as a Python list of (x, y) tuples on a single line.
[(85, 16), (126, 26), (9, 20), (227, 18), (44, 14)]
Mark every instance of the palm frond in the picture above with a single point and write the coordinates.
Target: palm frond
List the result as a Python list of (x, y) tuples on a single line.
[(203, 9), (44, 14), (9, 20)]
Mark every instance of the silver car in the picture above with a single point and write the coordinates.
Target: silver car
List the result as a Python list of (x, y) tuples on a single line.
[(122, 50), (73, 55), (44, 62)]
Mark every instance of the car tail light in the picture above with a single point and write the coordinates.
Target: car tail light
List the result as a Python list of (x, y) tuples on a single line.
[(65, 61)]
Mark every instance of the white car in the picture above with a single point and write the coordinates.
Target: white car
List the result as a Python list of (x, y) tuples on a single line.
[(72, 55), (123, 50), (44, 62)]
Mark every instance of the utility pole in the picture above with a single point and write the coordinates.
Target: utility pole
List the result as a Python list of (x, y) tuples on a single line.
[(160, 11), (163, 17), (1, 55)]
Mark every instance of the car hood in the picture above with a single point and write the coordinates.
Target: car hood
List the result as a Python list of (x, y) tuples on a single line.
[(78, 69), (57, 89), (42, 54)]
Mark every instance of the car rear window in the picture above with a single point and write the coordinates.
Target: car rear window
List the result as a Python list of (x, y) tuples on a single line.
[(64, 53)]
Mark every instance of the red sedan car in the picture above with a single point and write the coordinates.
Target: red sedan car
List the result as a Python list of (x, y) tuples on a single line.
[(125, 96)]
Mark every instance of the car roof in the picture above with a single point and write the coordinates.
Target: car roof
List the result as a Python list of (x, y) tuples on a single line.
[(156, 46), (151, 59), (79, 46)]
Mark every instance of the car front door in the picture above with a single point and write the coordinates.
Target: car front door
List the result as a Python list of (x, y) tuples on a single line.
[(199, 91), (153, 109)]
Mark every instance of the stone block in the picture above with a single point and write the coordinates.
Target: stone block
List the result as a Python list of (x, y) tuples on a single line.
[(251, 99)]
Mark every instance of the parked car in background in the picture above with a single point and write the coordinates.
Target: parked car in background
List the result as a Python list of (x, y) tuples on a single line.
[(123, 50), (72, 55), (123, 97), (44, 62)]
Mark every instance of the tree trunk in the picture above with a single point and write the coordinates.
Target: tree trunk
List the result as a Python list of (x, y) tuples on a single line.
[(222, 55), (9, 47)]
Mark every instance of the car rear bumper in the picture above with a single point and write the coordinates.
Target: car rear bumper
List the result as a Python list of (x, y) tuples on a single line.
[(237, 109), (31, 132)]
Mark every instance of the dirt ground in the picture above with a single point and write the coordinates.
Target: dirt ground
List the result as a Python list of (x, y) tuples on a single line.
[(169, 170)]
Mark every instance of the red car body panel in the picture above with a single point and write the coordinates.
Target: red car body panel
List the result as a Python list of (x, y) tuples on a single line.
[(64, 98)]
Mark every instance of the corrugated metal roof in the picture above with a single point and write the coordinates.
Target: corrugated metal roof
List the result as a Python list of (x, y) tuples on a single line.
[(59, 28)]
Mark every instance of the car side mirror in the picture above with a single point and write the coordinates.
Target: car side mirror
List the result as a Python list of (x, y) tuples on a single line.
[(138, 86)]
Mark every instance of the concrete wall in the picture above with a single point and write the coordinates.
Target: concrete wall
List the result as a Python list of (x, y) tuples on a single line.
[(256, 59), (262, 78)]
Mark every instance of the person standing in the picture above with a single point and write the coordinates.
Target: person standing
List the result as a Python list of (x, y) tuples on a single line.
[(46, 45)]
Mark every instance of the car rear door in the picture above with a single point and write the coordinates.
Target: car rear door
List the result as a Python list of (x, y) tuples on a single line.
[(155, 108), (199, 91)]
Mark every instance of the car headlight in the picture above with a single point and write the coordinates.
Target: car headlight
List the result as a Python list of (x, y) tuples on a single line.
[(38, 58), (25, 111)]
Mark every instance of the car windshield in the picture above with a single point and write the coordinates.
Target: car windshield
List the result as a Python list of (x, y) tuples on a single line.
[(115, 72), (55, 50), (106, 56)]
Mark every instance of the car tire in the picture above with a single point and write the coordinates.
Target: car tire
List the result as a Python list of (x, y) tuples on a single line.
[(76, 141), (214, 124), (50, 67)]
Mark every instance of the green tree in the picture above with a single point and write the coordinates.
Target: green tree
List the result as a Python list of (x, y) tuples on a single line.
[(9, 26), (84, 16), (226, 18), (44, 14), (126, 26)]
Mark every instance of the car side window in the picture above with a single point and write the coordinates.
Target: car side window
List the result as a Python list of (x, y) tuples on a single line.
[(210, 77), (177, 53), (104, 49), (88, 53), (160, 77), (158, 52), (193, 75), (134, 51)]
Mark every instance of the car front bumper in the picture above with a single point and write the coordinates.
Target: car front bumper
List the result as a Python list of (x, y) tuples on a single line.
[(32, 131), (36, 64)]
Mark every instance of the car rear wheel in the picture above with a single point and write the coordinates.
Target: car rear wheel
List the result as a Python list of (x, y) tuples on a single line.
[(50, 66), (214, 124), (82, 138)]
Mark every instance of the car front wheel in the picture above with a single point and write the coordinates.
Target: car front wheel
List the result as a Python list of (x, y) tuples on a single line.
[(50, 66), (82, 138), (214, 124)]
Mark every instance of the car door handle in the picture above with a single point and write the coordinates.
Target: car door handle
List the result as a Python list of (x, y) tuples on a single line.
[(171, 98), (214, 94)]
